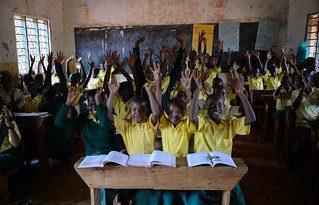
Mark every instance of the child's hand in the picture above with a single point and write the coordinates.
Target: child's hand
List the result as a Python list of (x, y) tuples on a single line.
[(283, 50), (114, 85), (7, 117), (70, 58), (116, 57), (139, 41), (32, 59), (204, 74), (230, 52), (98, 95), (197, 79), (269, 56), (192, 54), (50, 57), (131, 60), (256, 54), (186, 79), (41, 58), (149, 87), (72, 95), (247, 54), (59, 57), (109, 57), (79, 60), (150, 51), (220, 44), (201, 36), (181, 39), (156, 70), (207, 88), (237, 83)]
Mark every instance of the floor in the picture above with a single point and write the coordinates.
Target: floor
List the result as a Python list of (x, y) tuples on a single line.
[(267, 181)]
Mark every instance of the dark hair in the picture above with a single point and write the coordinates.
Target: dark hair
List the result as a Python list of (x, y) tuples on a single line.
[(38, 77), (212, 97), (142, 101), (177, 102), (216, 81), (307, 63)]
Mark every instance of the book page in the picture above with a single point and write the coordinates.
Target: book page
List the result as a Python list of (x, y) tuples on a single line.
[(139, 160), (199, 158), (117, 158), (93, 161), (163, 158), (221, 158)]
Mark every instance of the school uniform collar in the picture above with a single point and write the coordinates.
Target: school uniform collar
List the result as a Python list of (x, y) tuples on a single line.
[(133, 122), (90, 116), (221, 124)]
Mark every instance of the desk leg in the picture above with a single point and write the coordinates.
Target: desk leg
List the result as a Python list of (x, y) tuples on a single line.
[(226, 197), (95, 196), (43, 155)]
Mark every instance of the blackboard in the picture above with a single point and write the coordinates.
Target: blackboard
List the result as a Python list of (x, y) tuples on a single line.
[(122, 39)]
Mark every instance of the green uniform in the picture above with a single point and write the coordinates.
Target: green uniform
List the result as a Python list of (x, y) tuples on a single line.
[(99, 138)]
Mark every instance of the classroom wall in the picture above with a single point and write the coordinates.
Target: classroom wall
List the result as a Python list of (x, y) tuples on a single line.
[(297, 20), (51, 10), (158, 12)]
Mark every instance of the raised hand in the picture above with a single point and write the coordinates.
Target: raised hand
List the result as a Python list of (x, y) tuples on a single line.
[(116, 57), (41, 59), (7, 117), (181, 39), (131, 60), (32, 59), (72, 95), (59, 57), (196, 77), (283, 50), (201, 36), (139, 41), (186, 79), (90, 57), (50, 57), (230, 51), (220, 44), (114, 85), (150, 51), (156, 70), (98, 95), (192, 54), (256, 54), (204, 74), (208, 90), (247, 54), (237, 83), (79, 59)]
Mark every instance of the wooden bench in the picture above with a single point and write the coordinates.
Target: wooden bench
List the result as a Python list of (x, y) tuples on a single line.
[(5, 191), (181, 177)]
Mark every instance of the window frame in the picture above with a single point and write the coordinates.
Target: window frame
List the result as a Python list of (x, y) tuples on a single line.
[(314, 54)]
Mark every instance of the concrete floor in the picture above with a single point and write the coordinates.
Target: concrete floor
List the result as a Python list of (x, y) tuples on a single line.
[(267, 181)]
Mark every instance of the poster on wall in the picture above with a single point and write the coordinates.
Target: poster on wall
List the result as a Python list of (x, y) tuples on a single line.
[(209, 29), (228, 32), (267, 35)]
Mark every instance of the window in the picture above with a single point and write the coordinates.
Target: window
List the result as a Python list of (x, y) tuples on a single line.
[(312, 34), (32, 37)]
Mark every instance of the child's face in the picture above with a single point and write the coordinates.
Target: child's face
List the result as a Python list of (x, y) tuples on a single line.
[(91, 104), (126, 91), (215, 107), (175, 114), (56, 90), (256, 72), (138, 111), (33, 90), (274, 70), (217, 82)]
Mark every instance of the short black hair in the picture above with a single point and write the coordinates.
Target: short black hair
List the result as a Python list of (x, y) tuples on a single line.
[(175, 101), (142, 101)]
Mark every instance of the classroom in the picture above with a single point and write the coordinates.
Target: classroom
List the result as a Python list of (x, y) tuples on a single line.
[(151, 102)]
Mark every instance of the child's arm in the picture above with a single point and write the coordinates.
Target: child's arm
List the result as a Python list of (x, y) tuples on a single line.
[(238, 86), (48, 73), (41, 64), (146, 55), (59, 71), (230, 53), (257, 55), (268, 57), (141, 79), (247, 54), (61, 119), (297, 102), (193, 111), (32, 59), (113, 87), (200, 40), (87, 79), (186, 79), (121, 68), (109, 57), (15, 139), (82, 69), (68, 71), (100, 109), (156, 70), (153, 103), (220, 46)]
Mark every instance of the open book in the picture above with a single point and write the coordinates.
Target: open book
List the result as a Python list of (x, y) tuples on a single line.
[(213, 158), (138, 160)]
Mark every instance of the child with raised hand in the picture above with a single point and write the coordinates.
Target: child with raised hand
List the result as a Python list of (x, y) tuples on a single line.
[(255, 81), (95, 81), (272, 77), (138, 132), (216, 134), (96, 129)]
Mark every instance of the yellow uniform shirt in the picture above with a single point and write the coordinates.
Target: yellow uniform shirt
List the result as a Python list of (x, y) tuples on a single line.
[(30, 105), (95, 83), (213, 74), (138, 137), (121, 108), (7, 143), (55, 79), (272, 82), (175, 140), (212, 137), (6, 97), (282, 101), (308, 108), (101, 74), (255, 83)]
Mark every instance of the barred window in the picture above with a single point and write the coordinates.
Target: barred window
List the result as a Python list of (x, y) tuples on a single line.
[(312, 32), (32, 37)]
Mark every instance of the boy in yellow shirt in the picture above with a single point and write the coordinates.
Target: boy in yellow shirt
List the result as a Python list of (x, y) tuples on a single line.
[(272, 77), (255, 81), (216, 134), (34, 102)]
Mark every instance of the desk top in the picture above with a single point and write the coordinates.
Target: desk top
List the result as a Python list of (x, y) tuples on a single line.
[(32, 114), (180, 177)]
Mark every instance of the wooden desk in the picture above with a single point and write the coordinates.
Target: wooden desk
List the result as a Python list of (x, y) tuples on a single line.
[(181, 177), (33, 123)]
